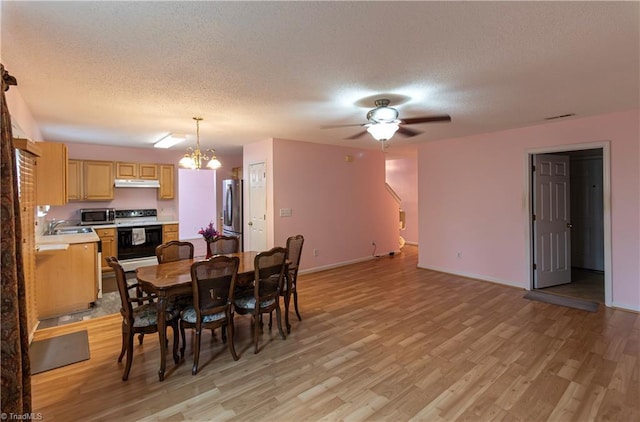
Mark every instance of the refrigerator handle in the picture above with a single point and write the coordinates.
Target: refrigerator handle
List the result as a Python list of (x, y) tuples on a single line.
[(228, 211)]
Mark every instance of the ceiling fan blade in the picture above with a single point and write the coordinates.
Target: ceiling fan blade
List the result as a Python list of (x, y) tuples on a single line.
[(427, 119), (336, 126), (357, 135), (408, 132)]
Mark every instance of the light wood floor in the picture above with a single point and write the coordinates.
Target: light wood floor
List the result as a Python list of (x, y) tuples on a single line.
[(380, 340)]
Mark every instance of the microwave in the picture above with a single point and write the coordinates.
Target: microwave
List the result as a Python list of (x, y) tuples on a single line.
[(96, 216)]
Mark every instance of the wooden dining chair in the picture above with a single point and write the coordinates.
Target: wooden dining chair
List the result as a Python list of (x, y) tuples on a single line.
[(141, 319), (213, 282), (224, 245), (174, 250), (264, 297), (290, 287)]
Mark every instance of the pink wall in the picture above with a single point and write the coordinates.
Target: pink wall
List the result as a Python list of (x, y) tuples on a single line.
[(196, 188), (472, 199), (402, 176), (21, 117), (340, 207)]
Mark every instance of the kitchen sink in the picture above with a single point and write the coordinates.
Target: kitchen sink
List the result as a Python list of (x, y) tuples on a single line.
[(73, 230)]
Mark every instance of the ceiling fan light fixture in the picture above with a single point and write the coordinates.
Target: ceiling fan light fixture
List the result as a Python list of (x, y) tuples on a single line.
[(382, 131), (383, 115)]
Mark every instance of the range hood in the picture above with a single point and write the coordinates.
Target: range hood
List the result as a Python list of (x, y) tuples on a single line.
[(136, 183)]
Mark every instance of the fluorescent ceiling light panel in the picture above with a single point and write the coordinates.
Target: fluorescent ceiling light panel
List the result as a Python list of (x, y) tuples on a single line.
[(169, 141)]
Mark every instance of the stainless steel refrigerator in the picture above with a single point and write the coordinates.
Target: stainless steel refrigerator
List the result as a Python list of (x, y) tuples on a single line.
[(232, 209)]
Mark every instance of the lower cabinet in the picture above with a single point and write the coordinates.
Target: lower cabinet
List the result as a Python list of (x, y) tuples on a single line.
[(66, 279), (109, 246), (169, 232)]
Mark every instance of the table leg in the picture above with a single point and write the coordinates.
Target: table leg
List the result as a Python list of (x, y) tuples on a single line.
[(162, 335)]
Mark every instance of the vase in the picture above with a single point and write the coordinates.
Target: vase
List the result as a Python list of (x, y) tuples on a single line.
[(209, 254)]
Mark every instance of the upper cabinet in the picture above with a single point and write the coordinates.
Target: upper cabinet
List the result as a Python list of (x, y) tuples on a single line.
[(51, 174), (167, 181), (136, 171), (74, 189), (98, 180), (90, 180)]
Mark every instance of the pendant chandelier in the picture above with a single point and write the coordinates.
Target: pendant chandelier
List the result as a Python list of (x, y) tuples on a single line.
[(195, 159)]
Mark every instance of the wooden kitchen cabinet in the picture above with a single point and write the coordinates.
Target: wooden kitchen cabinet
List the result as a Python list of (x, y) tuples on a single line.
[(167, 181), (136, 171), (74, 188), (90, 180), (51, 174), (66, 280), (109, 246), (97, 179), (169, 232)]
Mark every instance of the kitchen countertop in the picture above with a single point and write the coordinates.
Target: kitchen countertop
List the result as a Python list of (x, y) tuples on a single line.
[(58, 241), (161, 221), (66, 239)]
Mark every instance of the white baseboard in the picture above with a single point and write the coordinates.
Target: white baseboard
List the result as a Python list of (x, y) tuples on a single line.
[(476, 276), (335, 265), (343, 263), (625, 307)]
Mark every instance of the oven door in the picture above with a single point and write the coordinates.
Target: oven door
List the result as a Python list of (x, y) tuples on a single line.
[(138, 242)]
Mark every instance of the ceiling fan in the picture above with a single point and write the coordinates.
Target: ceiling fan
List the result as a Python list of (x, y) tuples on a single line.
[(383, 122)]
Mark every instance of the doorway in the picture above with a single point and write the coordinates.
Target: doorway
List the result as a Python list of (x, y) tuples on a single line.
[(588, 247)]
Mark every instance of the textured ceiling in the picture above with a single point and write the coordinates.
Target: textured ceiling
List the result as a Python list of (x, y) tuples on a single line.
[(128, 73)]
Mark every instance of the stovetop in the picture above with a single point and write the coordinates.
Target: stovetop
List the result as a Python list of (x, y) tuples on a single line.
[(142, 213), (133, 218)]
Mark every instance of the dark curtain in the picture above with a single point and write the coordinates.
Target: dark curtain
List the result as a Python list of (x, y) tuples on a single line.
[(14, 364)]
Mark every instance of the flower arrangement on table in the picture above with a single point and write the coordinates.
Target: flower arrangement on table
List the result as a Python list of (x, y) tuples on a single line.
[(209, 233)]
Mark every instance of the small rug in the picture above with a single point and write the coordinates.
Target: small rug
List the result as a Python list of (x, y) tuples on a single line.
[(59, 351), (570, 302)]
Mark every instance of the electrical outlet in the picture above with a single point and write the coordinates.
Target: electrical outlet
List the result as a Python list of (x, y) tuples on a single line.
[(316, 252), (459, 255)]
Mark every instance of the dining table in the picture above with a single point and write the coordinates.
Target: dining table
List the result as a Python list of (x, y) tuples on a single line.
[(174, 278)]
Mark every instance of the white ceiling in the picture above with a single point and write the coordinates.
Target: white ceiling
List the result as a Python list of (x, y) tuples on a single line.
[(127, 73)]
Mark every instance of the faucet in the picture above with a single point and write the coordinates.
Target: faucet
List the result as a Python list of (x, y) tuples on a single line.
[(53, 224)]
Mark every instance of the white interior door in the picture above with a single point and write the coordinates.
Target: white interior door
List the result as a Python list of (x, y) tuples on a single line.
[(552, 225), (257, 207)]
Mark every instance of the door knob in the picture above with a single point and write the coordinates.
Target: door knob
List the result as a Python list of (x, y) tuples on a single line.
[(569, 225), (251, 223)]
